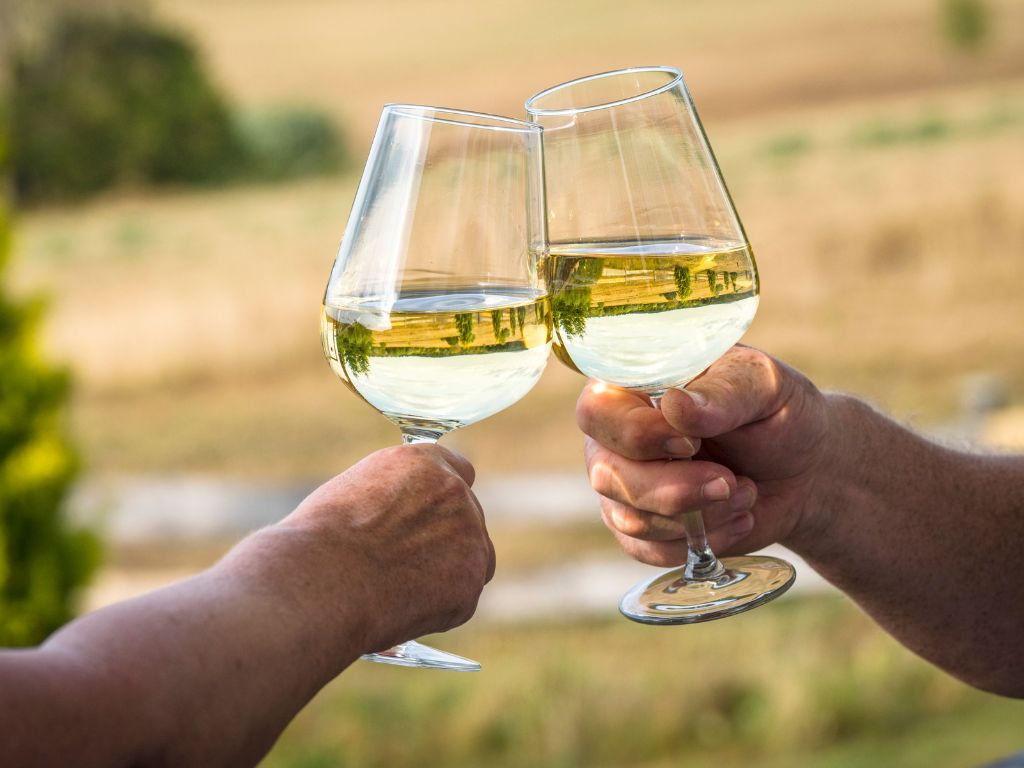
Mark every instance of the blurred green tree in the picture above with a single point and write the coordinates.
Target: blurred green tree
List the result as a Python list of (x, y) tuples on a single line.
[(110, 99), (43, 562), (289, 142), (965, 23)]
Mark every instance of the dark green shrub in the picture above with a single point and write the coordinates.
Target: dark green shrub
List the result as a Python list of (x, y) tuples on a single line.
[(965, 23), (116, 99), (289, 142), (42, 562)]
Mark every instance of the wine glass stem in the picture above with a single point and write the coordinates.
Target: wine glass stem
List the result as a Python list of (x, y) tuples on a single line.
[(701, 563), (413, 435)]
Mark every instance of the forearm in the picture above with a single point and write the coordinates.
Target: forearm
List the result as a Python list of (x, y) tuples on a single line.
[(208, 671), (926, 540)]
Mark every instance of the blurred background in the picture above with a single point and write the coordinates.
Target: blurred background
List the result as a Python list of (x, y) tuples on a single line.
[(182, 172)]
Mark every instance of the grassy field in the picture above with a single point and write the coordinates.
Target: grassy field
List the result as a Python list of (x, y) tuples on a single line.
[(886, 236), (741, 58), (807, 682)]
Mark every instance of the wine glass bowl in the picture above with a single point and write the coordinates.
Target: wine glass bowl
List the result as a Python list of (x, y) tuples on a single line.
[(437, 312), (651, 315), (652, 279)]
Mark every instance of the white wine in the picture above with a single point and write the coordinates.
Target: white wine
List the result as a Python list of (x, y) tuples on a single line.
[(439, 359), (652, 315)]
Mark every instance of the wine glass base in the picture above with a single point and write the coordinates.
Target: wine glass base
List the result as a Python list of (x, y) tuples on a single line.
[(669, 598), (413, 654)]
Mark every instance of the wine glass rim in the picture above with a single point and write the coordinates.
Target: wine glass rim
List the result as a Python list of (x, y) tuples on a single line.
[(420, 112), (677, 78)]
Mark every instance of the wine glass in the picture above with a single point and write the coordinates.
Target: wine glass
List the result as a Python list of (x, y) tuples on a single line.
[(651, 279), (436, 312)]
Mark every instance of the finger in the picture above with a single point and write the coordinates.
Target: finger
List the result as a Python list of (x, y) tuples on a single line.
[(663, 487), (455, 460), (638, 524), (650, 526), (667, 554), (627, 423), (459, 465), (745, 385)]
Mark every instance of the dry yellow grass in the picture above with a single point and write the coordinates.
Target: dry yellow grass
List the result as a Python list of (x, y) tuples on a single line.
[(883, 217), (741, 57)]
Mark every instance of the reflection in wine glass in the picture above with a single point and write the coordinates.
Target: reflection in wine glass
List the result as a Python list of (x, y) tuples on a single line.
[(652, 280), (436, 312)]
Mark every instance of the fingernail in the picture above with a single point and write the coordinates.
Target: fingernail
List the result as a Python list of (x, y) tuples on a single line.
[(743, 498), (698, 399), (716, 490), (679, 446), (742, 526)]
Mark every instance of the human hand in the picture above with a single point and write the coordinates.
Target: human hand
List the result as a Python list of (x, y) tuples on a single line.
[(754, 431), (404, 524)]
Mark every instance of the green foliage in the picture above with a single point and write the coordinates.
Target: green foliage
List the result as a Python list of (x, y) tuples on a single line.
[(923, 129), (354, 343), (788, 146), (570, 308), (464, 325), (502, 334), (111, 100), (42, 562), (116, 99), (521, 314), (713, 284), (570, 303), (684, 282), (288, 143), (965, 23)]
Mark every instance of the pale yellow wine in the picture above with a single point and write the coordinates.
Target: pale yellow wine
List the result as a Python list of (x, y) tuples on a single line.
[(652, 315), (433, 358)]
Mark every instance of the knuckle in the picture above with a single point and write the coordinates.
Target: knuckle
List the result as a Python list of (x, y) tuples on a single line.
[(584, 413), (399, 453), (600, 474), (633, 437), (673, 498), (755, 356), (450, 485), (628, 521)]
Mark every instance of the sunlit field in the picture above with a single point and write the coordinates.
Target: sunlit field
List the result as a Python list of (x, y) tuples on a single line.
[(805, 683), (878, 175), (886, 234)]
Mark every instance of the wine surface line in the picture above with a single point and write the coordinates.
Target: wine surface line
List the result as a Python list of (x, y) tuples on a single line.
[(439, 358)]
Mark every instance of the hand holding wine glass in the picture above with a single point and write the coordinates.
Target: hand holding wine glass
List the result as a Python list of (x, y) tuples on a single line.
[(753, 422), (652, 279), (436, 312)]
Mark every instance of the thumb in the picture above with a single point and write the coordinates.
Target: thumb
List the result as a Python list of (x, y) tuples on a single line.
[(744, 386)]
